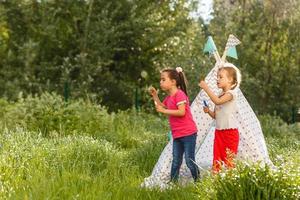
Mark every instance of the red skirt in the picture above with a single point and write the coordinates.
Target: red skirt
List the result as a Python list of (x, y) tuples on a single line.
[(225, 148)]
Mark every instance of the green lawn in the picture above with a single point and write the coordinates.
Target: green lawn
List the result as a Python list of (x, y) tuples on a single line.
[(53, 150)]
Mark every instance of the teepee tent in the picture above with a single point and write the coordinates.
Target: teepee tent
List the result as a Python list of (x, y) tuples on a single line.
[(252, 146)]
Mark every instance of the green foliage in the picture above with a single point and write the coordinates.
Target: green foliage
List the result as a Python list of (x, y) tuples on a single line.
[(100, 48), (50, 115), (274, 126), (256, 182), (51, 149), (268, 57), (97, 47)]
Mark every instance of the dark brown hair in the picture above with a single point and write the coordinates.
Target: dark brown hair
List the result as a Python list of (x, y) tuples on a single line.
[(179, 77)]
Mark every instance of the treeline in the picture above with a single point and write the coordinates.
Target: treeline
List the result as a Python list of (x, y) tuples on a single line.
[(112, 51)]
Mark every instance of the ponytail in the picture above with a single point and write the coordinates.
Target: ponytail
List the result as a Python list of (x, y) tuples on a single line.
[(183, 82)]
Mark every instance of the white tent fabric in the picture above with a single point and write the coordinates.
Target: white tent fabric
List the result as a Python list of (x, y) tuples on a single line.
[(252, 146)]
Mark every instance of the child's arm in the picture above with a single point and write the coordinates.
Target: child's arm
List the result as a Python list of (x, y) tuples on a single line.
[(153, 93), (217, 100), (211, 113), (177, 113)]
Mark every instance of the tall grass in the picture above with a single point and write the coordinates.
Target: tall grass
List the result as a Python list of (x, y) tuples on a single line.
[(51, 116), (50, 149), (256, 182)]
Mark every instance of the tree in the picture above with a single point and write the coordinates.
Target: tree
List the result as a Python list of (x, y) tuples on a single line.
[(98, 48), (269, 54)]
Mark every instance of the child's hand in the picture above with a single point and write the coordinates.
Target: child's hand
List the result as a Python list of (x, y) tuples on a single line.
[(159, 108), (206, 109), (152, 91), (203, 84)]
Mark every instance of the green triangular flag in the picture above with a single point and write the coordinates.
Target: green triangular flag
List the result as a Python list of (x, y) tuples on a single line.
[(232, 52), (210, 46)]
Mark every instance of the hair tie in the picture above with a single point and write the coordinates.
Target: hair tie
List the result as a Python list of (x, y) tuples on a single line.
[(179, 69)]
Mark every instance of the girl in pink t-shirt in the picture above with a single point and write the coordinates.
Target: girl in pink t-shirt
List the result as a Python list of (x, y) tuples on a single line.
[(184, 131)]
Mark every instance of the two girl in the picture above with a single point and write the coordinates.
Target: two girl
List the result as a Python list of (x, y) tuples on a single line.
[(184, 131)]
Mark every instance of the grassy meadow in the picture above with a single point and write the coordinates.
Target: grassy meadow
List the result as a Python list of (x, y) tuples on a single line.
[(50, 149)]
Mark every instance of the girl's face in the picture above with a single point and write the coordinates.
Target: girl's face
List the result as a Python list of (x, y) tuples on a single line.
[(223, 80), (165, 82)]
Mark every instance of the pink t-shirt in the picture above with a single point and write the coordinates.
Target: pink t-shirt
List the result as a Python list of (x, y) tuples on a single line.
[(180, 126)]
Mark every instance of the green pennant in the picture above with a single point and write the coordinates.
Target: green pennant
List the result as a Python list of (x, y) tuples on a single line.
[(232, 52), (210, 46)]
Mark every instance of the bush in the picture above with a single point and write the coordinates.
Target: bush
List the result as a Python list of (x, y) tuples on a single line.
[(50, 115), (254, 182), (274, 126)]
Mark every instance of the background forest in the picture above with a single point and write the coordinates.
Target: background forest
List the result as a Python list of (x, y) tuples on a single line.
[(73, 74), (111, 51)]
